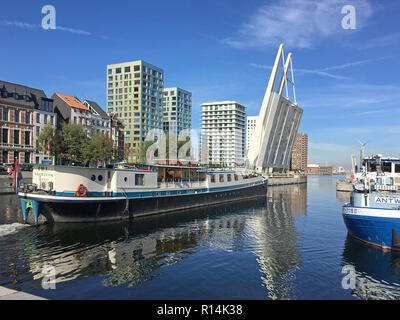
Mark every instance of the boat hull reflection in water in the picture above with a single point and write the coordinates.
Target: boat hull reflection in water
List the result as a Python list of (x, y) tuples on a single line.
[(222, 249), (376, 272)]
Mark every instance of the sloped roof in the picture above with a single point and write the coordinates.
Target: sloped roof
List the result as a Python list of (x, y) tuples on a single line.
[(10, 88), (97, 108), (73, 102)]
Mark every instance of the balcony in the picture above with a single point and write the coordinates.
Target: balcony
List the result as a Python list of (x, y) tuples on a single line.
[(16, 146)]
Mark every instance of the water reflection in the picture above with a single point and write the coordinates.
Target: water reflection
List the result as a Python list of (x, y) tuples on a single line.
[(276, 239), (343, 196), (377, 271), (10, 211), (132, 252)]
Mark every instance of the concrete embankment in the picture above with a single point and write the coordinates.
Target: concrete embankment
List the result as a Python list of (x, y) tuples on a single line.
[(284, 180), (6, 182), (9, 294)]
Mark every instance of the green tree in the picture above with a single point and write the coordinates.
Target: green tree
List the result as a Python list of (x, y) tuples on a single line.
[(74, 140), (57, 147), (49, 134), (46, 135), (98, 148)]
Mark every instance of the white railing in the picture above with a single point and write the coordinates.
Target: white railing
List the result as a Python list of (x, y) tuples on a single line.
[(182, 184), (12, 145)]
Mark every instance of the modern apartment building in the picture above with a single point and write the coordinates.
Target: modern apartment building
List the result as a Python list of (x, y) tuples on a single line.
[(223, 132), (135, 95), (18, 104), (251, 122), (177, 108), (300, 153)]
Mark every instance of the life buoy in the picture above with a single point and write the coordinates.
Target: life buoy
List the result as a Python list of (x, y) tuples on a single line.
[(81, 191), (352, 177)]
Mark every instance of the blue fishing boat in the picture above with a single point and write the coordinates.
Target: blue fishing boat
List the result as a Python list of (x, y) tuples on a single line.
[(373, 213)]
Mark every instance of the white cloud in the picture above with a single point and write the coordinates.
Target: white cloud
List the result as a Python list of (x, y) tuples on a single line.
[(297, 23), (19, 24), (30, 26), (354, 95), (323, 72)]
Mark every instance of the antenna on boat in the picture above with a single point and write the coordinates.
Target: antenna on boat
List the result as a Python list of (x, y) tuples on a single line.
[(362, 152), (353, 164)]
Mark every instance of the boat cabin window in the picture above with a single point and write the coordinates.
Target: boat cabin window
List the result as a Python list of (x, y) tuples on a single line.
[(371, 167), (139, 179), (221, 178), (229, 177), (387, 167), (397, 168), (213, 178), (236, 177)]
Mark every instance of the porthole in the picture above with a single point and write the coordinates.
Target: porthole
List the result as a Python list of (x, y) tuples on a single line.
[(125, 179), (100, 177), (93, 177)]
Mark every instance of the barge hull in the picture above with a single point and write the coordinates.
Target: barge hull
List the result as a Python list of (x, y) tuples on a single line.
[(71, 211)]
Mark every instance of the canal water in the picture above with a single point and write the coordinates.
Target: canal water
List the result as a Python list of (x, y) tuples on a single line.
[(292, 244)]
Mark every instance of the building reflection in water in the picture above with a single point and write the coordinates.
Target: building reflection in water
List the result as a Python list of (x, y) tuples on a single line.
[(10, 211), (377, 271), (276, 238), (343, 196), (131, 252)]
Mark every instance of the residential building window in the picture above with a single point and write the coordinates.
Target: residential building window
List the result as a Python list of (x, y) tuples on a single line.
[(38, 118), (16, 115), (5, 135), (5, 114), (16, 136), (27, 138), (5, 156), (27, 117), (118, 70)]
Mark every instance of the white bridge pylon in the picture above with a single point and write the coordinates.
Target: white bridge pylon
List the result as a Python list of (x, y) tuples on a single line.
[(278, 120)]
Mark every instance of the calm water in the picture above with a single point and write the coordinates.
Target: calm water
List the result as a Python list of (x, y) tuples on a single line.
[(291, 245)]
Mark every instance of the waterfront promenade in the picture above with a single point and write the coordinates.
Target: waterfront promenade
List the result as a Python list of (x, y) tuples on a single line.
[(9, 294), (6, 182)]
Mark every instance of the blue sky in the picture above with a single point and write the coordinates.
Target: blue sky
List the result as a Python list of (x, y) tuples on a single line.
[(346, 80)]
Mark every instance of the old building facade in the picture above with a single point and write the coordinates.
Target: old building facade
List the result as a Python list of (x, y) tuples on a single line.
[(17, 106)]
